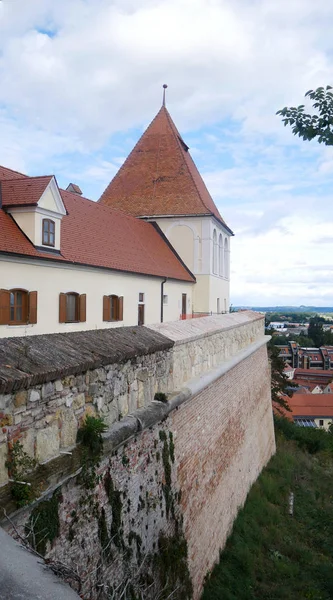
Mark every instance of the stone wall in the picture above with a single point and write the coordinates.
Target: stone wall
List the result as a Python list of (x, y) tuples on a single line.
[(180, 469), (45, 416)]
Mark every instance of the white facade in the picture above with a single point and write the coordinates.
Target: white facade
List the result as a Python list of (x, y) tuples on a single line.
[(50, 278), (204, 245)]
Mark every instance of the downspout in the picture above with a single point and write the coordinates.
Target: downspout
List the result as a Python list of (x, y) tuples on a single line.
[(162, 293)]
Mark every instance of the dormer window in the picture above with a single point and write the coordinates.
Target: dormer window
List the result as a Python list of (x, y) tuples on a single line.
[(48, 232)]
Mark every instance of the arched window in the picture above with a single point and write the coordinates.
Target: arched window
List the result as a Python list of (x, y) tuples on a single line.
[(226, 259), (214, 251), (18, 302), (48, 232), (113, 308), (72, 307), (220, 255)]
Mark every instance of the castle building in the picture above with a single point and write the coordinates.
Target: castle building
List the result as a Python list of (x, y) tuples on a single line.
[(154, 248), (160, 183)]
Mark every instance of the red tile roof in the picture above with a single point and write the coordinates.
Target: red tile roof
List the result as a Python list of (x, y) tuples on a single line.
[(6, 173), (159, 176), (93, 234), (23, 191), (311, 405)]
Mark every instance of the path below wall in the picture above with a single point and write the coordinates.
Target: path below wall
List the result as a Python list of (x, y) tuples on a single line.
[(22, 576)]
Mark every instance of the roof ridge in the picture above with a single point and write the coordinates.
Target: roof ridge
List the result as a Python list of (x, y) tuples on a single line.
[(177, 138), (121, 168), (13, 171), (27, 177)]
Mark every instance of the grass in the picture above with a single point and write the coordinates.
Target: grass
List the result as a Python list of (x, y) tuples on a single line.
[(271, 555)]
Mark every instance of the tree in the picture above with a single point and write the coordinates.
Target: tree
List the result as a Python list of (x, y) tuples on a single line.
[(310, 126), (279, 382), (316, 331)]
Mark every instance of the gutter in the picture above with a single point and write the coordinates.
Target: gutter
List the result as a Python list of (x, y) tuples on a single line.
[(162, 293)]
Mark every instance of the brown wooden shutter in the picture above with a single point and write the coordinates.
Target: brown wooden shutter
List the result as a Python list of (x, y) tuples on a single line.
[(121, 308), (32, 314), (62, 307), (106, 308), (82, 307), (4, 307)]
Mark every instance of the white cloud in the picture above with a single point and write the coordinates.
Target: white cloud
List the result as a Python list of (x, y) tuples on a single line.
[(75, 72)]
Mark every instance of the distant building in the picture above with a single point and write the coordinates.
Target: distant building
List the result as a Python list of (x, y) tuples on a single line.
[(307, 358), (311, 410)]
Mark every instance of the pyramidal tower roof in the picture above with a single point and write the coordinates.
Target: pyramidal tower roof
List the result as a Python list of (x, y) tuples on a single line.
[(159, 177)]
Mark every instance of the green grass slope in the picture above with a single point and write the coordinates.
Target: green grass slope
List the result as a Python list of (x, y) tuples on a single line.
[(271, 555)]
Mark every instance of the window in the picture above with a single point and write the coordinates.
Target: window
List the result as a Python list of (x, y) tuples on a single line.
[(18, 307), (214, 251), (113, 307), (48, 232), (321, 422), (141, 314), (226, 259), (72, 307), (220, 255), (165, 299), (184, 306), (141, 297)]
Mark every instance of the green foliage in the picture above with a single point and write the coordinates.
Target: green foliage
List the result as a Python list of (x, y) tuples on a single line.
[(271, 555), (316, 331), (311, 126), (20, 466), (279, 382), (291, 317), (90, 434), (312, 439), (44, 524), (171, 564), (114, 497), (161, 397)]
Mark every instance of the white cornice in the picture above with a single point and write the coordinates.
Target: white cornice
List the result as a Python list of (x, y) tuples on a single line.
[(34, 209)]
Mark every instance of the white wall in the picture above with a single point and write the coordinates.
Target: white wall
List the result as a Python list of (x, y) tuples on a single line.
[(49, 279), (192, 238)]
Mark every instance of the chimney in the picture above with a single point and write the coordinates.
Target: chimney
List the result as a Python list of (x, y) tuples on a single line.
[(72, 187)]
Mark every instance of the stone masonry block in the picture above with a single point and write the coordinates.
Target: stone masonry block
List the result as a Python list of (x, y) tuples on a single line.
[(78, 401), (20, 399), (47, 442), (69, 428), (3, 469), (34, 396)]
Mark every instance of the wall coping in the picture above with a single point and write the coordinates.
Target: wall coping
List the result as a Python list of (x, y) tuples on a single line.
[(182, 332), (32, 360)]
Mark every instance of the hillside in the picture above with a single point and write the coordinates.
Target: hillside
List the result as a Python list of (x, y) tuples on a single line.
[(270, 554)]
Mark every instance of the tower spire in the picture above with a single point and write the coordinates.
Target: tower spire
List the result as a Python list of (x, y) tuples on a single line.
[(164, 88)]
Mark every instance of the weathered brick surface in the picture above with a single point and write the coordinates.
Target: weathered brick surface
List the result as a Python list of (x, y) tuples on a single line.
[(223, 438)]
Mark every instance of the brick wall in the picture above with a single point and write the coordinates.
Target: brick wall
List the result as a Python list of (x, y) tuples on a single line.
[(223, 436)]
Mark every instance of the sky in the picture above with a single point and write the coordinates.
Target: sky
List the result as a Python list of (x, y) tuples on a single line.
[(81, 80)]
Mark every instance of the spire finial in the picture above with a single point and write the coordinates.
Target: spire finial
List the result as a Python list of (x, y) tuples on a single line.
[(164, 88)]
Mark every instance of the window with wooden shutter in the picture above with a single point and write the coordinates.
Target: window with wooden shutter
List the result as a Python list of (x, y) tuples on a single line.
[(62, 307), (106, 308), (4, 307), (121, 308), (113, 308), (82, 307), (33, 307), (18, 307)]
